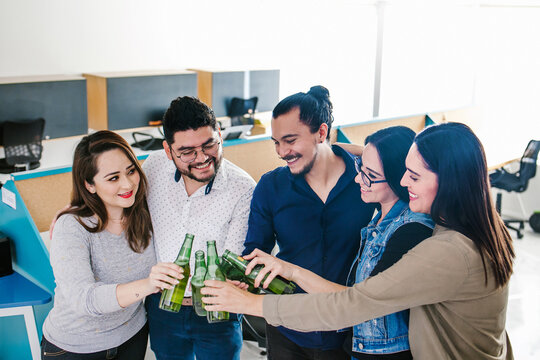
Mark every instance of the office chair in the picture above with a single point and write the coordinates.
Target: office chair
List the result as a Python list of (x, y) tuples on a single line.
[(238, 108), (254, 329), (22, 145), (517, 182)]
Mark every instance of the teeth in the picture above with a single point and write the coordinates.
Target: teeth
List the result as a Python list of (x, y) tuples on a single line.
[(291, 160), (413, 195), (202, 166)]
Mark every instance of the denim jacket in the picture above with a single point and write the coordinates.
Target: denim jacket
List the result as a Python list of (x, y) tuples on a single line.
[(387, 334)]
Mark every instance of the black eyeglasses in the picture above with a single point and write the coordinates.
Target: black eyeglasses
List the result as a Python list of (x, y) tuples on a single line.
[(189, 156), (365, 178)]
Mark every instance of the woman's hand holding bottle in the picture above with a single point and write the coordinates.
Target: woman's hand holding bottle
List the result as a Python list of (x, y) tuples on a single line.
[(164, 276), (272, 266)]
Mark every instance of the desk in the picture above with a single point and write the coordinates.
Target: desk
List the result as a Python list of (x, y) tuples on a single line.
[(18, 296)]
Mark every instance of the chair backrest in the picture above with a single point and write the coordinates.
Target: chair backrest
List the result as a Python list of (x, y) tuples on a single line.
[(239, 107), (22, 141), (527, 165)]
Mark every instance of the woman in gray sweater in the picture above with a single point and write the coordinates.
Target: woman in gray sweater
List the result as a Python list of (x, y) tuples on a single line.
[(103, 258), (455, 282)]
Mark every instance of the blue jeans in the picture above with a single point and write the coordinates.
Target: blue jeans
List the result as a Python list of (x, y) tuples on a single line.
[(183, 335)]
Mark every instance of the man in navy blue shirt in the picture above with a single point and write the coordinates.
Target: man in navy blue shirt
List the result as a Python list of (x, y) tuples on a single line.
[(311, 208)]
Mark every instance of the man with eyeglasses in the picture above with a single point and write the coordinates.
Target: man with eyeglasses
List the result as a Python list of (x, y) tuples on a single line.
[(312, 208), (192, 189)]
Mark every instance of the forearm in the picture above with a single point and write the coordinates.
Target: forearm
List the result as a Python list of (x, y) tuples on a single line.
[(134, 291), (430, 273), (354, 149), (313, 283)]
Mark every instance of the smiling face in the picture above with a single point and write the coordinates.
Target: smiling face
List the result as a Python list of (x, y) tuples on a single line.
[(373, 168), (420, 181), (295, 143), (204, 141), (116, 182)]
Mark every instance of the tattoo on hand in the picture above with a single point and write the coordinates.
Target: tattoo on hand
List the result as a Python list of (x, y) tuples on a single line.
[(136, 294)]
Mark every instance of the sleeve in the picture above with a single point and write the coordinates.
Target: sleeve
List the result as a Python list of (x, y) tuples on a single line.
[(260, 232), (238, 226), (71, 263), (404, 239), (431, 272)]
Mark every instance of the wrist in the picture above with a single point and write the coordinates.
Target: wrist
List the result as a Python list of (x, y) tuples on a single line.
[(295, 274), (256, 305)]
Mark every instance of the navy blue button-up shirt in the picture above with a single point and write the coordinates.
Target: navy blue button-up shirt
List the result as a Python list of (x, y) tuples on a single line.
[(323, 237)]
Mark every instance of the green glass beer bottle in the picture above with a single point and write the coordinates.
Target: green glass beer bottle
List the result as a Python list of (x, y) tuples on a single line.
[(232, 273), (197, 283), (278, 285), (214, 273), (171, 299)]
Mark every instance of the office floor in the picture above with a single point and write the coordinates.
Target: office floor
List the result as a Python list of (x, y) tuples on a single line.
[(523, 316)]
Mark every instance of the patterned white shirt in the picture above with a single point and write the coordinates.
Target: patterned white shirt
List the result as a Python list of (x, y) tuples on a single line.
[(217, 212)]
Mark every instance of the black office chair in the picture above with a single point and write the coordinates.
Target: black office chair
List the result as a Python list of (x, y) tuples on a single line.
[(254, 329), (517, 182), (238, 109), (22, 145)]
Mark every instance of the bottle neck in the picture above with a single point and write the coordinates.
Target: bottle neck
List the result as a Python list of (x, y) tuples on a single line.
[(200, 268), (212, 255), (236, 260), (185, 251)]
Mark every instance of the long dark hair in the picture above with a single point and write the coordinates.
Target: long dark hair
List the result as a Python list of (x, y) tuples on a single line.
[(392, 144), (138, 226), (315, 108), (463, 202)]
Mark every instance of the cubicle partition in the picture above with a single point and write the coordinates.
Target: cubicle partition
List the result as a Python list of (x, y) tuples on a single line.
[(216, 88), (26, 300), (59, 99), (126, 100)]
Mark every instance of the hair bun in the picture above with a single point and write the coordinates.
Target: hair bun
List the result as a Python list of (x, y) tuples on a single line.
[(320, 92)]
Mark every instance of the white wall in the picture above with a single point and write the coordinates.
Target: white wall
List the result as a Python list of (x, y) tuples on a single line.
[(312, 42), (437, 55)]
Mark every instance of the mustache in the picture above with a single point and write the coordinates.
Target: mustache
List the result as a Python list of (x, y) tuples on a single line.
[(210, 159), (290, 157)]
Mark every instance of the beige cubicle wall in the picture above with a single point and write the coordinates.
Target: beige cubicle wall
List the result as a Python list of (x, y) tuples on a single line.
[(467, 115), (44, 196), (357, 133)]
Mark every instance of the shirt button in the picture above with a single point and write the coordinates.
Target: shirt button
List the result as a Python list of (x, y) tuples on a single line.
[(374, 322), (374, 234), (360, 346)]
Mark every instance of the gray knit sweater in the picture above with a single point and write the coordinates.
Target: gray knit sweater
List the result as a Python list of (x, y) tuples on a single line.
[(87, 267)]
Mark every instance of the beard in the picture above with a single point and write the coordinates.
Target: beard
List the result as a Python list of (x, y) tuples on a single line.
[(306, 169), (216, 161)]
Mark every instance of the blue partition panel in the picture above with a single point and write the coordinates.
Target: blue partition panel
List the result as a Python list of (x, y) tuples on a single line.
[(30, 258), (341, 137)]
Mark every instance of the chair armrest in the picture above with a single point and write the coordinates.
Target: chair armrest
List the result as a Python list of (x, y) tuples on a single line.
[(502, 165)]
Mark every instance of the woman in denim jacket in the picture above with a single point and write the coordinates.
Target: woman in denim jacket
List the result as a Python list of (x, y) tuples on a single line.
[(394, 230)]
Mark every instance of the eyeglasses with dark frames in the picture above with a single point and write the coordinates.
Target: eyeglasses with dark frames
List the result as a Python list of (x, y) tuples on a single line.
[(365, 178), (189, 156)]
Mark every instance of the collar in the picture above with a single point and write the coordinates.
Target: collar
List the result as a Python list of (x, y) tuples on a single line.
[(399, 207), (345, 179), (348, 158), (218, 182)]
